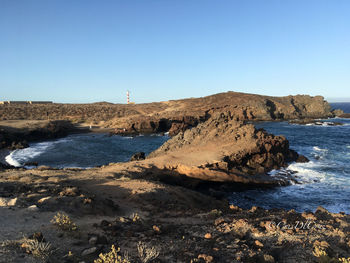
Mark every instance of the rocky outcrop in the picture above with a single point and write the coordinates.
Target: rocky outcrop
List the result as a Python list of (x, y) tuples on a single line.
[(340, 113), (345, 115), (225, 149), (175, 115), (17, 137), (180, 115), (138, 156), (337, 112)]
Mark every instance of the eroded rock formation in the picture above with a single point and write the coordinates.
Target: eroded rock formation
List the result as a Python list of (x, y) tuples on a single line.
[(17, 137), (175, 115), (225, 149)]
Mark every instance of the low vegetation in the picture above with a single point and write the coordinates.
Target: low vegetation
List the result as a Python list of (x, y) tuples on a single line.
[(147, 254), (38, 249), (323, 257), (64, 222), (113, 256)]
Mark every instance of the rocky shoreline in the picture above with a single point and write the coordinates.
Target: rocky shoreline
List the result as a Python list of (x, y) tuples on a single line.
[(224, 149), (176, 115), (16, 134), (157, 203)]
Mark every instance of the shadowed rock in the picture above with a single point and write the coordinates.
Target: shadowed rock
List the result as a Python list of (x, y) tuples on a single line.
[(175, 115), (225, 149)]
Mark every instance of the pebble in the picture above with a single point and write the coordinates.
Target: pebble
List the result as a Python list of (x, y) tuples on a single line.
[(42, 200), (207, 236), (88, 251), (8, 201), (93, 240), (33, 208), (156, 228), (234, 208), (258, 243), (219, 221), (206, 258)]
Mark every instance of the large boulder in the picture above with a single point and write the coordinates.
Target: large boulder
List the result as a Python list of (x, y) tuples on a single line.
[(138, 156)]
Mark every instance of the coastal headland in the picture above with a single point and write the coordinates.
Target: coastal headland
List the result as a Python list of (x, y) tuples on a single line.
[(159, 201), (175, 115)]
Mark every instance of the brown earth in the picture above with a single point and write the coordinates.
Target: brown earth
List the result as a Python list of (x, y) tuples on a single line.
[(109, 207), (174, 115)]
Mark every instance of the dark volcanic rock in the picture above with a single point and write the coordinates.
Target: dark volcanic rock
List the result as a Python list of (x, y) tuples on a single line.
[(175, 115), (225, 149), (138, 156), (344, 115), (6, 166), (18, 145), (302, 159), (337, 112), (16, 138)]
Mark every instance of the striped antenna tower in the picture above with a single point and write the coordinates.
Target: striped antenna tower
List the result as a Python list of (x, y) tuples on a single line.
[(128, 97)]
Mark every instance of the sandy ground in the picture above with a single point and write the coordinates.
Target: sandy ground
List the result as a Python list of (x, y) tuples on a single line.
[(22, 124), (109, 206), (11, 125)]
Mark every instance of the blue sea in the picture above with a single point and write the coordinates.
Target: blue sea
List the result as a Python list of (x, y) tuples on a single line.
[(345, 106), (324, 181), (85, 150)]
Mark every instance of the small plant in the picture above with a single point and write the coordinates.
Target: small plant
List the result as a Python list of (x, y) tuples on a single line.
[(135, 217), (112, 257), (319, 252), (38, 249), (324, 258), (64, 222), (147, 254)]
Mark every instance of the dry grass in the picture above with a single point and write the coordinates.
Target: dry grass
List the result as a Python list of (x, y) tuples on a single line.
[(147, 254), (64, 222), (113, 256)]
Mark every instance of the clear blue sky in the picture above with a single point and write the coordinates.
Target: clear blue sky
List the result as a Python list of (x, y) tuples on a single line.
[(85, 51)]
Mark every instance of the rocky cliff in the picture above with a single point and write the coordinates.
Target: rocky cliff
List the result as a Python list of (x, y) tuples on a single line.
[(175, 115), (225, 149), (14, 136)]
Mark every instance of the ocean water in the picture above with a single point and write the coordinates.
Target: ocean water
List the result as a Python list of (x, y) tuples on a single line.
[(324, 181), (345, 106), (85, 150)]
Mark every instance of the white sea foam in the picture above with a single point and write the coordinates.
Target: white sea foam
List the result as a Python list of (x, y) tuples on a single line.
[(307, 172), (316, 148), (20, 156), (9, 159), (62, 140), (325, 124)]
